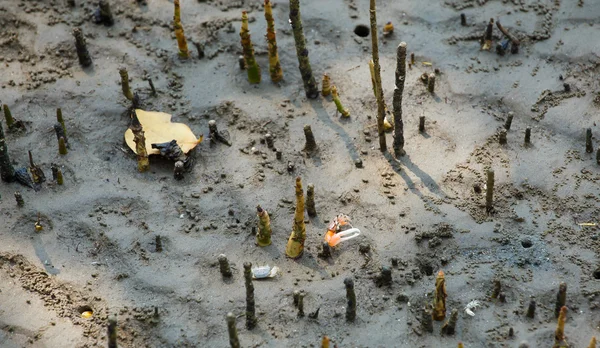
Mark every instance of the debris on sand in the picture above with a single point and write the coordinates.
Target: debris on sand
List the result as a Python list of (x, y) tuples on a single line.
[(159, 129), (264, 272)]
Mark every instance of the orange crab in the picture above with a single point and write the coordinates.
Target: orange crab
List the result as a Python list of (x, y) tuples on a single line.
[(340, 230)]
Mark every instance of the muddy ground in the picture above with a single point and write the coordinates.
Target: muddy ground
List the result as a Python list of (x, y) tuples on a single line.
[(97, 252)]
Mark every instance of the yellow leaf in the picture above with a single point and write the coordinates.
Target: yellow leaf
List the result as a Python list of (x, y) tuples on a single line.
[(426, 63), (158, 128)]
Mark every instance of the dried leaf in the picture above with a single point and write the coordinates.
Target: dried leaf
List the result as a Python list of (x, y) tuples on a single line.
[(158, 128)]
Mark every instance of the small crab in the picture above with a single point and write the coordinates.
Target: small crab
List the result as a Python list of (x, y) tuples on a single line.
[(470, 306), (339, 230)]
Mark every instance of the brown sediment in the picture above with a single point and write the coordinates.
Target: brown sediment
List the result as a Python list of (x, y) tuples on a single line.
[(248, 50), (377, 70), (295, 245), (274, 65), (439, 298), (179, 34)]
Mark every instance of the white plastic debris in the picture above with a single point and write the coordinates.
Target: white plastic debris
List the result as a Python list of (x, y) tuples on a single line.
[(264, 272)]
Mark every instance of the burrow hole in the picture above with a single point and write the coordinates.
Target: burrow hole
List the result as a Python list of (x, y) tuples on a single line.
[(526, 243), (362, 30)]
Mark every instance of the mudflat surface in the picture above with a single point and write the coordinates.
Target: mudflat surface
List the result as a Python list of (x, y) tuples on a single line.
[(97, 249)]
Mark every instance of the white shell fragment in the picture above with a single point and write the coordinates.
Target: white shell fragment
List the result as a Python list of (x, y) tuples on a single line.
[(264, 272), (470, 306)]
